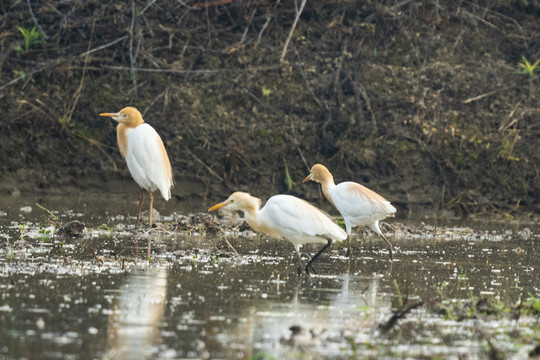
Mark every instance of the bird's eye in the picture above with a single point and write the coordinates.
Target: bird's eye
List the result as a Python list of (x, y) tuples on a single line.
[(232, 201)]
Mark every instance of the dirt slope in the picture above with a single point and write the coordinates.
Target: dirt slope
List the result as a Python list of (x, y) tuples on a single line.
[(421, 101)]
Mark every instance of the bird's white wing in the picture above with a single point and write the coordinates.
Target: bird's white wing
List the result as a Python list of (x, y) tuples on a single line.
[(294, 215), (357, 201), (148, 161)]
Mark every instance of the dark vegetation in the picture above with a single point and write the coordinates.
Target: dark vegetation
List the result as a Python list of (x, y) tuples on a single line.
[(424, 101)]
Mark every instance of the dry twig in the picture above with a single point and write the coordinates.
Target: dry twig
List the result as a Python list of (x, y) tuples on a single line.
[(86, 53), (131, 36), (298, 13), (45, 37), (475, 98)]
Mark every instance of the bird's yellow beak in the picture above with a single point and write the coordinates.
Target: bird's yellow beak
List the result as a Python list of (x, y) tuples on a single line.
[(110, 114), (309, 177), (218, 206)]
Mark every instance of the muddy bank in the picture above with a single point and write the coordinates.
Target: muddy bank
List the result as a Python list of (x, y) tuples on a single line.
[(37, 223), (426, 103)]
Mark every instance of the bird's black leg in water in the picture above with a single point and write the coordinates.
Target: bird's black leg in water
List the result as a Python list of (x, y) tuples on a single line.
[(300, 263), (309, 264)]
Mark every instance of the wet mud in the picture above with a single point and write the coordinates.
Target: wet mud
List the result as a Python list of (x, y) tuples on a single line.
[(77, 280)]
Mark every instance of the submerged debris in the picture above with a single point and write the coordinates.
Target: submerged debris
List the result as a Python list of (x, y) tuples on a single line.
[(397, 315), (199, 222), (72, 229)]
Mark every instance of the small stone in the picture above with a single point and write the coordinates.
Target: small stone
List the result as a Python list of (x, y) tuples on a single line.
[(295, 329), (525, 234), (40, 323)]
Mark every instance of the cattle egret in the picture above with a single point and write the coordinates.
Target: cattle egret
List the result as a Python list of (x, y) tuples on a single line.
[(286, 216), (357, 204), (145, 155)]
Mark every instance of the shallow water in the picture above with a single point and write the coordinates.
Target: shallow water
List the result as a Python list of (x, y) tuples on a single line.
[(92, 296)]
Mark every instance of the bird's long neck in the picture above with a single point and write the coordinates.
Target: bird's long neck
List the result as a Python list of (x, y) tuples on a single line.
[(252, 215), (251, 207), (121, 137), (121, 133), (327, 183), (253, 220)]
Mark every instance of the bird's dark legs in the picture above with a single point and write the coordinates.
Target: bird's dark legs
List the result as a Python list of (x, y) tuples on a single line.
[(348, 254), (300, 263), (141, 198), (310, 262), (389, 246)]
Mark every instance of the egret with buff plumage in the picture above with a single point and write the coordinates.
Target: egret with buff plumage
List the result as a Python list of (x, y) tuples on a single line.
[(286, 216), (145, 155), (357, 204)]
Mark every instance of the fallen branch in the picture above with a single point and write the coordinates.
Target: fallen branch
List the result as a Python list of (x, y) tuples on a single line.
[(58, 62), (268, 18), (210, 4), (188, 71), (33, 72), (150, 3), (505, 124), (284, 52), (230, 246), (104, 46), (398, 315), (470, 100), (45, 37), (131, 36)]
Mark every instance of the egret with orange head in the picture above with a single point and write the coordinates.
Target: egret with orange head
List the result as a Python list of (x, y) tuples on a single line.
[(286, 216), (145, 155), (357, 204)]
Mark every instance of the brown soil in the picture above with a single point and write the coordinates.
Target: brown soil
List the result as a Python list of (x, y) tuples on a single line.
[(420, 101)]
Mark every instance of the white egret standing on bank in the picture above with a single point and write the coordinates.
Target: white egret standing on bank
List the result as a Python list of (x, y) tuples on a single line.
[(145, 155)]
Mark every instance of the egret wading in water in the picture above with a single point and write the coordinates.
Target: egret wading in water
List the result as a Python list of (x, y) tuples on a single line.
[(286, 216), (357, 204), (145, 155)]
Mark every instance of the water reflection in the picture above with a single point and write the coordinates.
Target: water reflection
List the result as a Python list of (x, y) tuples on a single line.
[(259, 307), (58, 301), (136, 316), (320, 320), (239, 312)]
